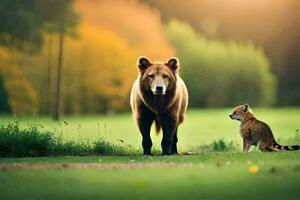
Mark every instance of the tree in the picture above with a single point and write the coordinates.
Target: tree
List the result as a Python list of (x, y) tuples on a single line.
[(17, 94), (4, 106), (272, 25), (48, 86), (23, 24), (221, 73), (64, 22), (20, 24), (56, 108)]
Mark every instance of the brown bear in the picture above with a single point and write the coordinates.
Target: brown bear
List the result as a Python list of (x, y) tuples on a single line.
[(159, 95)]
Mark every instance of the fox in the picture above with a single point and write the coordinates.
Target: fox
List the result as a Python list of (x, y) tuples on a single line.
[(256, 132)]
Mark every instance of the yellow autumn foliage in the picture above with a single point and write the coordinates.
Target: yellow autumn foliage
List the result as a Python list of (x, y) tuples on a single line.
[(102, 67), (99, 65), (132, 20), (22, 96)]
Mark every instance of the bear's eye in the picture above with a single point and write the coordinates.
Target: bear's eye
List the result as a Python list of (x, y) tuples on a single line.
[(165, 76), (234, 112), (151, 76)]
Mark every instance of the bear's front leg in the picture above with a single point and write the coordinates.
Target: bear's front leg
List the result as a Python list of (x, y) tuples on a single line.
[(144, 125), (145, 119), (174, 143), (169, 127)]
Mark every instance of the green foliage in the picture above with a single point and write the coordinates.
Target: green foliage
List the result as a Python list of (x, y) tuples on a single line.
[(103, 147), (99, 66), (201, 127), (4, 108), (295, 140), (221, 73), (23, 22), (230, 20), (33, 141), (18, 94), (29, 142), (219, 145)]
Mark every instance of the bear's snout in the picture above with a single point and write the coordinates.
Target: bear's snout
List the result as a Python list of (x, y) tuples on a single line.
[(159, 88)]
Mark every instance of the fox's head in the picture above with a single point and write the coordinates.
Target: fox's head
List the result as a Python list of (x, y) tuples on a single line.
[(240, 112)]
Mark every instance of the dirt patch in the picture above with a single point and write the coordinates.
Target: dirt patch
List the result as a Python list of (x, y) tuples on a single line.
[(93, 165)]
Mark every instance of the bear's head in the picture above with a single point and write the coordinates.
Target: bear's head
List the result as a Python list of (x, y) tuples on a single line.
[(158, 77)]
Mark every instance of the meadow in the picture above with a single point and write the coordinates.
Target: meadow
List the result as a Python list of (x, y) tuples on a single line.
[(212, 175), (202, 126)]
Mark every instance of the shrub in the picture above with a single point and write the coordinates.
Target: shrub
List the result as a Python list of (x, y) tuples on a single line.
[(28, 142), (32, 141), (219, 73), (219, 145), (16, 92), (295, 140)]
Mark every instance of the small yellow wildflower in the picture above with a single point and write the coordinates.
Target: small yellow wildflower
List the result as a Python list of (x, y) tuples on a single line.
[(253, 169)]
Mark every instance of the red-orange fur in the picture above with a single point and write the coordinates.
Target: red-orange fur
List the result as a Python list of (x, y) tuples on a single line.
[(256, 132)]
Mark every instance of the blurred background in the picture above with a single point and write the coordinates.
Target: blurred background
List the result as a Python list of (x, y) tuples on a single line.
[(79, 57)]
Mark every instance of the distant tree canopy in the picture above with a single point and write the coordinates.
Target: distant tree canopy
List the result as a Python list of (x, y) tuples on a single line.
[(272, 25), (23, 27), (100, 64), (224, 63), (23, 23), (221, 73)]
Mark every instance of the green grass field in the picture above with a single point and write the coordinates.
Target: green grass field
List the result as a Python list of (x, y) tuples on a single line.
[(221, 175), (201, 126)]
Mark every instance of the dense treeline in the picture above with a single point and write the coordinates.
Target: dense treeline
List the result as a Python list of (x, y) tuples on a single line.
[(99, 62), (272, 25), (102, 40), (221, 73)]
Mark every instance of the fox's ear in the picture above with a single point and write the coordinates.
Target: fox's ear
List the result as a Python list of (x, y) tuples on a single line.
[(245, 107), (173, 63), (143, 63)]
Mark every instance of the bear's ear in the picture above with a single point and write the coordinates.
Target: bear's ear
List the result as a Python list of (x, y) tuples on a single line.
[(245, 107), (143, 63), (173, 63)]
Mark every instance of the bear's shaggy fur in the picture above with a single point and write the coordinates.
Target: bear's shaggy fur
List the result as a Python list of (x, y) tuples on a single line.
[(159, 95)]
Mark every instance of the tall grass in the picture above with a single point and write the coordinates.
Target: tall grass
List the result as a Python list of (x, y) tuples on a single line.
[(218, 145), (33, 141)]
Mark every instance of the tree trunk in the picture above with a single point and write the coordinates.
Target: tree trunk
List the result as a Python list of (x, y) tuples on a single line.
[(48, 86), (56, 112)]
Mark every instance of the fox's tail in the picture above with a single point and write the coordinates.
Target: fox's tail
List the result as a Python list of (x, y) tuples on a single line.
[(157, 126), (278, 147)]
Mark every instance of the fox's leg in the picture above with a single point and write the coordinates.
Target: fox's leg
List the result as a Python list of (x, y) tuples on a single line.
[(272, 147), (246, 145)]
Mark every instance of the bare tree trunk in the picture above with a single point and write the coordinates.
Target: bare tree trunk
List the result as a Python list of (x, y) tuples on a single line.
[(56, 112), (48, 86)]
